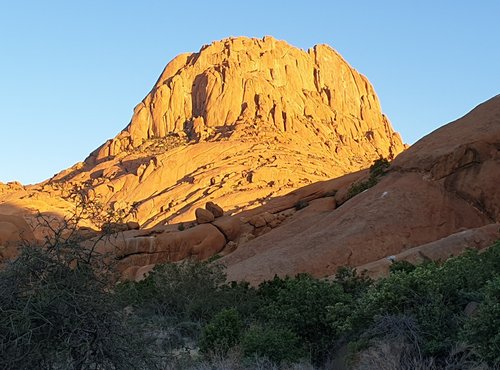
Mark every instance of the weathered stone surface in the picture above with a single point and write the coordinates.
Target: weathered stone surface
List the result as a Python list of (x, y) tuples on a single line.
[(230, 226), (433, 191), (451, 245), (259, 127), (236, 124), (204, 216), (215, 209), (236, 80), (136, 248), (14, 231), (133, 225), (257, 221)]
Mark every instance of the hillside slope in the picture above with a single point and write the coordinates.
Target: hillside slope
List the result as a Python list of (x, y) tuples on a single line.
[(444, 190)]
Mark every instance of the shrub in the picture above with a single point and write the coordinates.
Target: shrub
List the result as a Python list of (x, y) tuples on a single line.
[(188, 290), (434, 294), (379, 167), (301, 304), (177, 300), (401, 266), (275, 343), (351, 281), (392, 342), (482, 331), (56, 311), (221, 333), (377, 170), (360, 187)]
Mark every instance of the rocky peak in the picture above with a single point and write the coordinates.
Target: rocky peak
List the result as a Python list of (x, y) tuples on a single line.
[(240, 122), (254, 88)]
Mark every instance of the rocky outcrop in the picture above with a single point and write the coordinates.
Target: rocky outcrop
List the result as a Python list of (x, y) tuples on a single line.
[(230, 128), (241, 121), (136, 249), (434, 192), (429, 204), (235, 82), (14, 231), (214, 209), (439, 250), (204, 216)]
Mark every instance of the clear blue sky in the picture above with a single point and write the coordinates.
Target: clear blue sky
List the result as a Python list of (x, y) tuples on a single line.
[(72, 71)]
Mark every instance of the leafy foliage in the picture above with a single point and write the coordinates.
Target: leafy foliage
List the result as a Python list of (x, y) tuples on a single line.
[(222, 333), (418, 310), (377, 170), (483, 329), (436, 296), (401, 266), (301, 304), (275, 343), (186, 290), (379, 167), (351, 282)]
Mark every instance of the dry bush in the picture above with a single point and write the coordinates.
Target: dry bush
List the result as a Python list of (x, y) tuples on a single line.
[(394, 345), (57, 307)]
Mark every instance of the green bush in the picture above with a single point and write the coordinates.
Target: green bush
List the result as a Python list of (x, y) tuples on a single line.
[(221, 333), (379, 167), (277, 344), (58, 309), (360, 187), (401, 266), (352, 282), (377, 170), (482, 331), (301, 304), (434, 294), (188, 290)]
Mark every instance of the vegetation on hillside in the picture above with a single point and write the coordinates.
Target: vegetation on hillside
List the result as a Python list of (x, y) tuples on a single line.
[(60, 310), (377, 170)]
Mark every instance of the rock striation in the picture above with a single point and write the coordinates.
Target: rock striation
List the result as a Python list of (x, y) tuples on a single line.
[(276, 89)]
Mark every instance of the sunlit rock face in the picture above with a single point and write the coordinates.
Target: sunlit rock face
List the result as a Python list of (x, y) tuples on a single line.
[(245, 86), (238, 122)]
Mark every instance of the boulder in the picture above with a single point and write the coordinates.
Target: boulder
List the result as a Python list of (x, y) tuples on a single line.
[(204, 216), (257, 221), (215, 209), (133, 225), (229, 226)]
